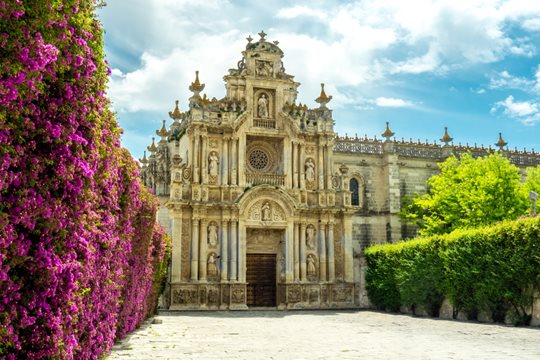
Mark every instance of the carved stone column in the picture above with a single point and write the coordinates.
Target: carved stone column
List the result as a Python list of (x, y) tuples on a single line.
[(204, 157), (303, 252), (233, 265), (348, 248), (194, 249), (322, 252), (242, 253), (295, 165), (225, 162), (176, 256), (203, 246), (224, 249), (289, 252), (287, 163), (196, 157), (296, 239), (241, 161), (302, 165), (328, 152), (320, 167), (234, 160), (331, 259)]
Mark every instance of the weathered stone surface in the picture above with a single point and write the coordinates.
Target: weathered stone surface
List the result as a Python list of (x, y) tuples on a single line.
[(447, 310)]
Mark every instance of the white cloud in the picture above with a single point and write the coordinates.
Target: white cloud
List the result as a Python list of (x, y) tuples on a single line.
[(532, 24), (392, 102), (527, 112), (355, 44), (505, 80), (298, 11)]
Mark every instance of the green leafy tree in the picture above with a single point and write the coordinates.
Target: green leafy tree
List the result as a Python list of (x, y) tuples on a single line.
[(468, 192), (533, 179)]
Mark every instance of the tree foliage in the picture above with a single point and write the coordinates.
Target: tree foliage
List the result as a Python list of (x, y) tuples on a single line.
[(468, 192)]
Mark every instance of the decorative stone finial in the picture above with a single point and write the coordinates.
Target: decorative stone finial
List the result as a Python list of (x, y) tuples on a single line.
[(275, 42), (446, 139), (249, 39), (196, 87), (163, 133), (262, 34), (144, 160), (501, 143), (388, 133), (323, 99), (175, 114), (152, 148)]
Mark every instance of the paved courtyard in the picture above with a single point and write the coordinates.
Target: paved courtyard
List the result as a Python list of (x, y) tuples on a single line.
[(323, 335)]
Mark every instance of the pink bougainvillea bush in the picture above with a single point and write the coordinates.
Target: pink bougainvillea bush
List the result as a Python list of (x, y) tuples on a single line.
[(81, 254)]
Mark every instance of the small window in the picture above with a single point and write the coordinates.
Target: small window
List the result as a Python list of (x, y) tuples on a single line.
[(353, 187)]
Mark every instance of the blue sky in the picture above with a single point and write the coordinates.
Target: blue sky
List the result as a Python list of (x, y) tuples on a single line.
[(473, 65)]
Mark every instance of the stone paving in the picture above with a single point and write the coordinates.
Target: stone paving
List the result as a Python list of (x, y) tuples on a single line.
[(323, 335)]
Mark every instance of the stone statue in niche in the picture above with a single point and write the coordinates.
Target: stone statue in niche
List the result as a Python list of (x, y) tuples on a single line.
[(212, 235), (213, 163), (310, 170), (311, 267), (310, 237), (262, 107), (211, 269), (265, 212)]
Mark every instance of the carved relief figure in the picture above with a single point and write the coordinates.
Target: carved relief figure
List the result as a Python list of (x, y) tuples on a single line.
[(212, 234), (310, 237), (310, 170), (264, 68), (211, 265), (311, 267), (213, 162), (262, 106), (265, 211)]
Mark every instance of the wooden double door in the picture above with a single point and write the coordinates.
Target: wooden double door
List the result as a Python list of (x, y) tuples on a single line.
[(261, 280)]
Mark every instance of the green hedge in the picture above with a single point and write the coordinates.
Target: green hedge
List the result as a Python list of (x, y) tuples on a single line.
[(491, 270)]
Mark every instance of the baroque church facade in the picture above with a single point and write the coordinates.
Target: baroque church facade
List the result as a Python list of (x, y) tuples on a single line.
[(266, 205)]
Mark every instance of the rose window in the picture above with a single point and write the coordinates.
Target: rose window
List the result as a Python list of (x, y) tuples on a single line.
[(259, 159)]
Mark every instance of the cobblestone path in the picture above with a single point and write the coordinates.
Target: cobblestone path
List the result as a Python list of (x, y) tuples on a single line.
[(323, 335)]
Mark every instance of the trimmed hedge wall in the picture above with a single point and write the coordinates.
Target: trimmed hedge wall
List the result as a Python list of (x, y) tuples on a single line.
[(491, 270)]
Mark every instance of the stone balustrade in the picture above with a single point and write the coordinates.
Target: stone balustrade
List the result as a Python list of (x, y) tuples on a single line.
[(265, 178)]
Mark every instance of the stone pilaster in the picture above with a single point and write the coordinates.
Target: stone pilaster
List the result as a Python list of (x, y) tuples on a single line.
[(203, 246), (176, 256), (224, 249), (302, 167), (233, 276), (303, 252), (242, 253), (331, 258), (196, 157), (348, 248), (204, 158), (296, 252), (225, 162), (289, 251), (322, 252), (295, 165), (195, 249), (320, 166), (234, 161)]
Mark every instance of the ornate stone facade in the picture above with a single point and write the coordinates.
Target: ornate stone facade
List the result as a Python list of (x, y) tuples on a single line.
[(255, 178)]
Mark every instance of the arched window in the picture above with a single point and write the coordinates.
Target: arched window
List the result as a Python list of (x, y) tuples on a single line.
[(353, 187)]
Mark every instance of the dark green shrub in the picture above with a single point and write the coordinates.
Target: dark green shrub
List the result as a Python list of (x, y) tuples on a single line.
[(493, 270)]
